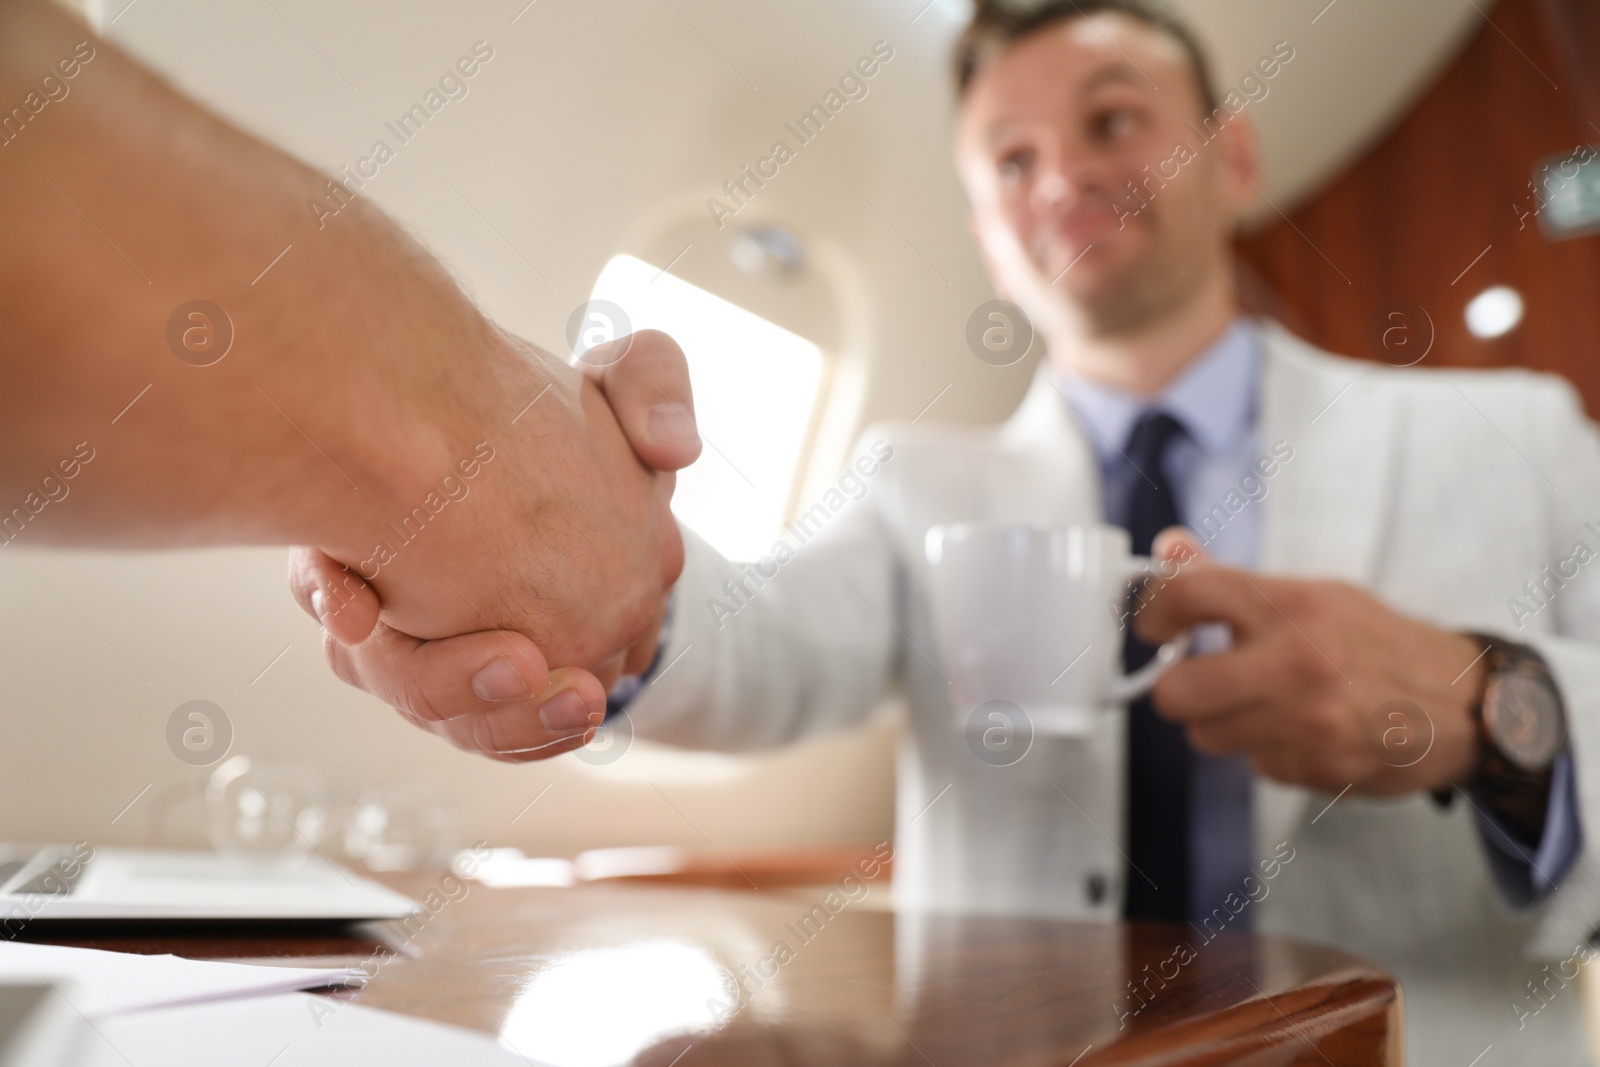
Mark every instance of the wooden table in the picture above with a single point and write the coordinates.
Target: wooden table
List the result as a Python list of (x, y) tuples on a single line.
[(649, 976)]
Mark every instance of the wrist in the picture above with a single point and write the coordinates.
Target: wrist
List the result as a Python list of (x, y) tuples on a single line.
[(1458, 741), (1520, 726), (401, 372), (454, 472), (427, 443)]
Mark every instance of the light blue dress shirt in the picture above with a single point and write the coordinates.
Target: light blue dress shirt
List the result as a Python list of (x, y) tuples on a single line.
[(1217, 399)]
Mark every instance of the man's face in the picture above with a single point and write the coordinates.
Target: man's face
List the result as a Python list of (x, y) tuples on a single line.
[(1048, 138)]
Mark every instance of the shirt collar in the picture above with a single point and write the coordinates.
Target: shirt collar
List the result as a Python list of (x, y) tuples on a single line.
[(1214, 397)]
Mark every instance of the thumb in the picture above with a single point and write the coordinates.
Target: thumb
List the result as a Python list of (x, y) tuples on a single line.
[(1179, 545), (645, 378), (333, 594)]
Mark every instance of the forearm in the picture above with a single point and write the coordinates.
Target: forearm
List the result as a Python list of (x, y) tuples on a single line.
[(352, 357), (765, 653)]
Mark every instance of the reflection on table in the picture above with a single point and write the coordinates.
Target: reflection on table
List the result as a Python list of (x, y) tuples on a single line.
[(677, 976)]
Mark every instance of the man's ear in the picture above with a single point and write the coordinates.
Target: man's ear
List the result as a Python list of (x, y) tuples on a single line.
[(1239, 155)]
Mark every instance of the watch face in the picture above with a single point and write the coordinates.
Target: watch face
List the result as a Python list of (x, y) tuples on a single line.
[(1522, 716)]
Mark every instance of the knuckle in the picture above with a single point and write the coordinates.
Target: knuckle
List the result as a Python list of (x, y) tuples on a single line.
[(481, 734), (1322, 598), (1308, 670), (639, 617), (672, 553), (411, 698), (1294, 599), (492, 732), (338, 658), (470, 734), (1329, 730)]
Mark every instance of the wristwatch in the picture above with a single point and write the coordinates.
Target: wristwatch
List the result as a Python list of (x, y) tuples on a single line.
[(1522, 727)]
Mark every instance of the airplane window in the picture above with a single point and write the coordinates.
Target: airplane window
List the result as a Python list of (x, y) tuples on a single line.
[(755, 385)]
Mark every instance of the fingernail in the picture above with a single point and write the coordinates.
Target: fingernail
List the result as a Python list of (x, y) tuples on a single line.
[(500, 681), (564, 712), (672, 423), (319, 603)]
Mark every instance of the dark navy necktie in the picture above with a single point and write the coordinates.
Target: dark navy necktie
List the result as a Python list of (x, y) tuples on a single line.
[(1159, 760)]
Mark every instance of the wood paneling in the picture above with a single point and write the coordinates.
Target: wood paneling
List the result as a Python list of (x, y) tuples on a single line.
[(1396, 232)]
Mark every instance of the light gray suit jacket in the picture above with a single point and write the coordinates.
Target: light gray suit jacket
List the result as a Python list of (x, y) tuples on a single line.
[(1442, 492)]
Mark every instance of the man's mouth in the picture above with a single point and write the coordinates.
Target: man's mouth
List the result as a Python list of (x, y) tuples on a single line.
[(1063, 242)]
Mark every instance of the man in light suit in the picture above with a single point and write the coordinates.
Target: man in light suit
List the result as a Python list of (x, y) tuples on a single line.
[(1392, 550)]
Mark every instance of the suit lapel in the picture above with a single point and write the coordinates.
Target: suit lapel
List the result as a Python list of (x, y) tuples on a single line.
[(1049, 472), (1330, 503)]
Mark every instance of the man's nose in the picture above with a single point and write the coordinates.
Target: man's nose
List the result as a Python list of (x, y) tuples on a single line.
[(1060, 182), (1051, 190)]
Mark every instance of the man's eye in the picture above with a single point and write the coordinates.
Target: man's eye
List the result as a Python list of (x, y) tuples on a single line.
[(1118, 122), (1016, 163)]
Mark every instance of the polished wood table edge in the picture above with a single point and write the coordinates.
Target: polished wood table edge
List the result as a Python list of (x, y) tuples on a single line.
[(1366, 1005), (1031, 991)]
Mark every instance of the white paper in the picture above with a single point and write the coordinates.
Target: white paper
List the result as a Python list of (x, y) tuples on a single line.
[(291, 1030), (109, 983)]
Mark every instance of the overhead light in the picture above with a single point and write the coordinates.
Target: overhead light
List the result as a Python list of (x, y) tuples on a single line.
[(1494, 312)]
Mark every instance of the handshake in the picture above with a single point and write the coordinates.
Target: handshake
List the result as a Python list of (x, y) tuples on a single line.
[(533, 573), (493, 541)]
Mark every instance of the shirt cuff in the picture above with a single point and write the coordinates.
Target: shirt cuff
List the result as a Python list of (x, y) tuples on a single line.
[(628, 688), (1527, 872)]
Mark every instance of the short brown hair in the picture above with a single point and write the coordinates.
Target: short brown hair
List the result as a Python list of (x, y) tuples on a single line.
[(998, 24)]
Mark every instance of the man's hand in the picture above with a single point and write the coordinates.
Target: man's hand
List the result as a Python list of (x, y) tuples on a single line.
[(492, 691), (1306, 691), (354, 399), (350, 396), (564, 534)]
